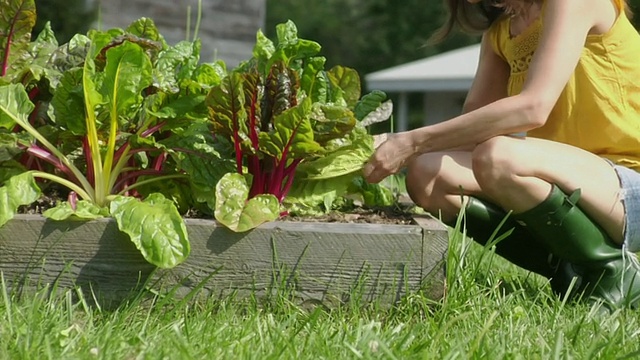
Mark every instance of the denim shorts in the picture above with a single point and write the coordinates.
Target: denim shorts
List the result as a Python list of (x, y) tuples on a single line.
[(630, 196)]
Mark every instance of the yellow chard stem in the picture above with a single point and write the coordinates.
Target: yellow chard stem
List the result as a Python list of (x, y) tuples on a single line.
[(92, 131), (72, 186)]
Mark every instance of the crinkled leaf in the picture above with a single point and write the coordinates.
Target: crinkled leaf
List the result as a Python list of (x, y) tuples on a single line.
[(19, 190), (176, 64), (34, 65), (371, 103), (8, 147), (292, 133), (346, 160), (85, 210), (178, 107), (127, 73), (348, 80), (17, 19), (316, 196), (226, 107), (263, 48), (235, 212), (313, 80), (289, 47), (331, 122), (196, 153), (43, 46), (176, 190), (9, 169), (15, 106), (155, 227), (145, 28), (68, 102), (209, 75), (71, 54), (371, 194), (280, 92)]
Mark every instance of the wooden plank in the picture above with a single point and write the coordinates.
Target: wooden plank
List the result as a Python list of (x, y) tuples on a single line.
[(323, 262), (436, 242)]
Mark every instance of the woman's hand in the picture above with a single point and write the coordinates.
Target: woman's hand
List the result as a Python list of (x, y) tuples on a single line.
[(390, 157)]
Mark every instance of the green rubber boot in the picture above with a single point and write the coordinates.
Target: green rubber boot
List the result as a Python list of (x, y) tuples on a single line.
[(610, 274), (482, 218)]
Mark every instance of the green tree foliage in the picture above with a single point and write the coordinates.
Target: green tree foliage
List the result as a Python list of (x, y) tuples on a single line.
[(370, 35), (367, 35), (67, 17), (635, 7)]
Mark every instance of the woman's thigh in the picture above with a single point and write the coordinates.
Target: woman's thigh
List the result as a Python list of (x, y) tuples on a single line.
[(524, 160), (438, 181)]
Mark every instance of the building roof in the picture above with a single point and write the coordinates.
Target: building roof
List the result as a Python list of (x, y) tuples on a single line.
[(450, 71)]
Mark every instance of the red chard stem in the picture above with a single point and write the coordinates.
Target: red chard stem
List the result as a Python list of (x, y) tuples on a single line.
[(89, 160)]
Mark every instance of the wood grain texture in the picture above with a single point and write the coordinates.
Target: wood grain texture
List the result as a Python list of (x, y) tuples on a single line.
[(326, 262)]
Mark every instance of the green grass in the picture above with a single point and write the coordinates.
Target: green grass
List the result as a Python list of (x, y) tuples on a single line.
[(492, 310)]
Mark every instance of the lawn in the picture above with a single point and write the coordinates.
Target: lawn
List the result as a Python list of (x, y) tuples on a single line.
[(491, 310)]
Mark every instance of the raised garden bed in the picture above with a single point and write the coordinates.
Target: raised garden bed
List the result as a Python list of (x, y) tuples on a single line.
[(317, 261)]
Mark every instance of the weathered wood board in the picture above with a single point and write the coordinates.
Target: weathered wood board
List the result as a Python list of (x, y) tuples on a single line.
[(324, 262)]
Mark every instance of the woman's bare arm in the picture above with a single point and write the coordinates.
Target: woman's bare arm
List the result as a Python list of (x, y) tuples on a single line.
[(566, 26)]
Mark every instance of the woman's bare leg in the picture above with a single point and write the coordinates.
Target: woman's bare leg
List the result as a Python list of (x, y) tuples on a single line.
[(437, 182), (517, 173)]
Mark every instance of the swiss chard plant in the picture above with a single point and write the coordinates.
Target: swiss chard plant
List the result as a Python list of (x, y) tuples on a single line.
[(116, 100), (297, 130)]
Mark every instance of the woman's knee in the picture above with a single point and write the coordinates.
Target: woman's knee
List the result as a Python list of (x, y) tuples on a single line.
[(421, 175), (494, 162), (432, 179)]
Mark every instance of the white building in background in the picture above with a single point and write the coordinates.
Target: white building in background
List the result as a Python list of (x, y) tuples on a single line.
[(443, 79), (227, 29)]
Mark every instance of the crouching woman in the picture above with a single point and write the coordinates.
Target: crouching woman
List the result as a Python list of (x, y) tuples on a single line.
[(566, 74)]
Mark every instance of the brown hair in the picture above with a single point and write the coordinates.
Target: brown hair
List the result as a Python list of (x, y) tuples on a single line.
[(475, 18), (471, 18)]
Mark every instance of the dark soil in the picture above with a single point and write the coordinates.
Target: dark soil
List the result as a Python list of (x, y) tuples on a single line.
[(399, 214), (50, 196)]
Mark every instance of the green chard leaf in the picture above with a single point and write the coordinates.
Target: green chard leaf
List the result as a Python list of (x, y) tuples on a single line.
[(68, 102), (264, 47), (373, 108), (348, 81), (176, 65), (289, 47), (155, 227), (238, 213), (145, 28), (8, 147), (15, 106), (197, 154), (9, 169), (314, 81), (127, 73), (84, 210), (292, 133), (331, 122), (16, 22), (227, 108), (316, 196), (19, 190), (345, 160), (71, 54)]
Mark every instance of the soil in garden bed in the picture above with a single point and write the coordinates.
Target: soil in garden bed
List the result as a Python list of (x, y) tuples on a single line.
[(396, 214), (401, 213)]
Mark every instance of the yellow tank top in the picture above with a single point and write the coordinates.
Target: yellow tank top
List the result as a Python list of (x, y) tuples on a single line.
[(599, 109)]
